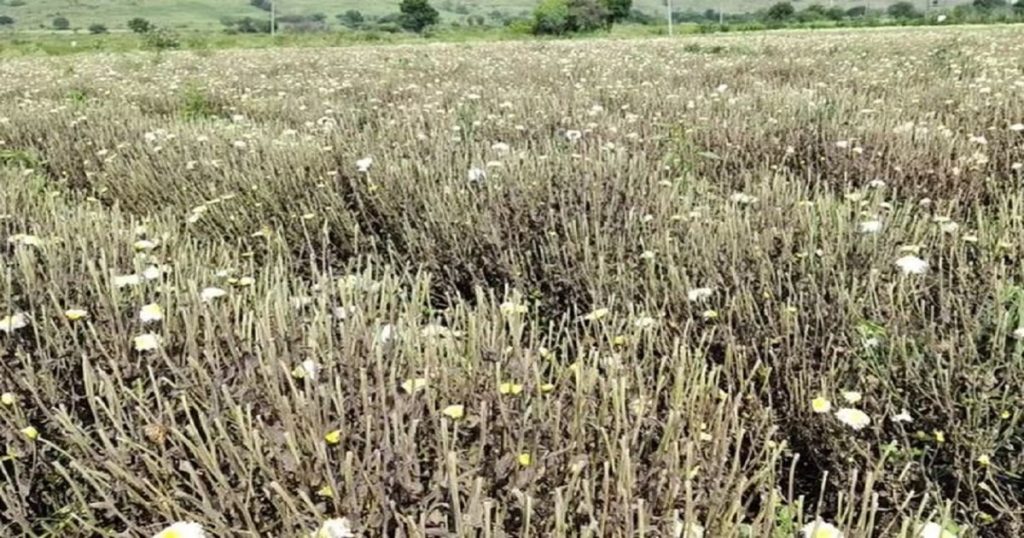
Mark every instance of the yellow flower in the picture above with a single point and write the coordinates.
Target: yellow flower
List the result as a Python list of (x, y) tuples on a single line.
[(245, 281), (13, 322), (984, 460), (1004, 415), (596, 314), (619, 340), (31, 432), (524, 459), (147, 342), (821, 405), (940, 437), (8, 398), (151, 313), (510, 388), (710, 314), (144, 244), (75, 314), (455, 412), (547, 387), (509, 308), (325, 492), (414, 385), (333, 437), (335, 528)]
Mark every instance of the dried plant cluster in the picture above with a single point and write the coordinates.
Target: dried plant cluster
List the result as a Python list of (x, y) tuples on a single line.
[(720, 286)]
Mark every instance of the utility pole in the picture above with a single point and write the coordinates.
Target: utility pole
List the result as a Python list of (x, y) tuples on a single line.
[(273, 18), (668, 13)]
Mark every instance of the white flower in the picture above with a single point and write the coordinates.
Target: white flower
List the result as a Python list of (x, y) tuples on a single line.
[(144, 244), (182, 529), (876, 184), (151, 313), (934, 530), (335, 528), (151, 273), (308, 369), (475, 175), (940, 18), (573, 135), (596, 314), (1018, 333), (820, 529), (644, 322), (851, 396), (123, 281), (902, 416), (364, 164), (647, 255), (699, 294), (870, 226), (386, 333), (147, 342), (948, 227), (742, 198), (680, 530), (14, 322), (721, 88), (854, 418), (500, 147), (25, 239), (912, 265), (1017, 127), (209, 294)]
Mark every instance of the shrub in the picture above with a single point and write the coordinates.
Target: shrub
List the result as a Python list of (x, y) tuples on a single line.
[(61, 23), (139, 25), (352, 18), (856, 12), (417, 15), (551, 17), (587, 15), (265, 5), (97, 29), (162, 39), (6, 21), (617, 9)]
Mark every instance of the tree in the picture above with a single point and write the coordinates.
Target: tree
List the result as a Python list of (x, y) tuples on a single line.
[(61, 23), (987, 5), (140, 25), (856, 12), (6, 21), (587, 15), (97, 29), (417, 15), (564, 16), (902, 10), (780, 11), (618, 10)]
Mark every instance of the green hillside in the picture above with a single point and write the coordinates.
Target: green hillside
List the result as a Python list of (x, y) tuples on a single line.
[(29, 14)]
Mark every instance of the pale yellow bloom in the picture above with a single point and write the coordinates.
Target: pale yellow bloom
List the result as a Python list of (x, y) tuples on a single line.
[(75, 314), (854, 418), (414, 385), (14, 322), (31, 432), (8, 398), (335, 528), (596, 314), (851, 396), (524, 459), (147, 342), (454, 412), (333, 437), (509, 388), (151, 313), (182, 529), (820, 529)]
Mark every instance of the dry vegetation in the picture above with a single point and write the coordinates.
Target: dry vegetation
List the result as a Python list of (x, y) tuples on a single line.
[(532, 242)]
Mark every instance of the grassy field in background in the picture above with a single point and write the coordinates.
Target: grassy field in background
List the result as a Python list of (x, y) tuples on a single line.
[(207, 13), (716, 286)]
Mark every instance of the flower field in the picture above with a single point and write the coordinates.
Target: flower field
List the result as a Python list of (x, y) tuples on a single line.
[(768, 285)]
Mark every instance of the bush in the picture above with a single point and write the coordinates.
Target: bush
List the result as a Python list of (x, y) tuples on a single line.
[(417, 15), (856, 12), (6, 21), (140, 25), (617, 9), (61, 23), (551, 17), (780, 12), (265, 5), (903, 11), (162, 39), (352, 18), (97, 29)]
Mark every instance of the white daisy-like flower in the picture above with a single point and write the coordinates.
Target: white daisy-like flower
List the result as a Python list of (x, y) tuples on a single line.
[(851, 396), (363, 165), (821, 405), (152, 273), (500, 147), (876, 184), (182, 529), (854, 418), (147, 342), (335, 528), (573, 135), (151, 313), (699, 294), (386, 333), (934, 530), (820, 529), (647, 255), (307, 369), (912, 265), (645, 322), (1018, 333), (596, 314), (14, 322), (476, 175), (902, 416), (211, 293), (144, 244), (1017, 127), (124, 281), (742, 198), (872, 226)]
